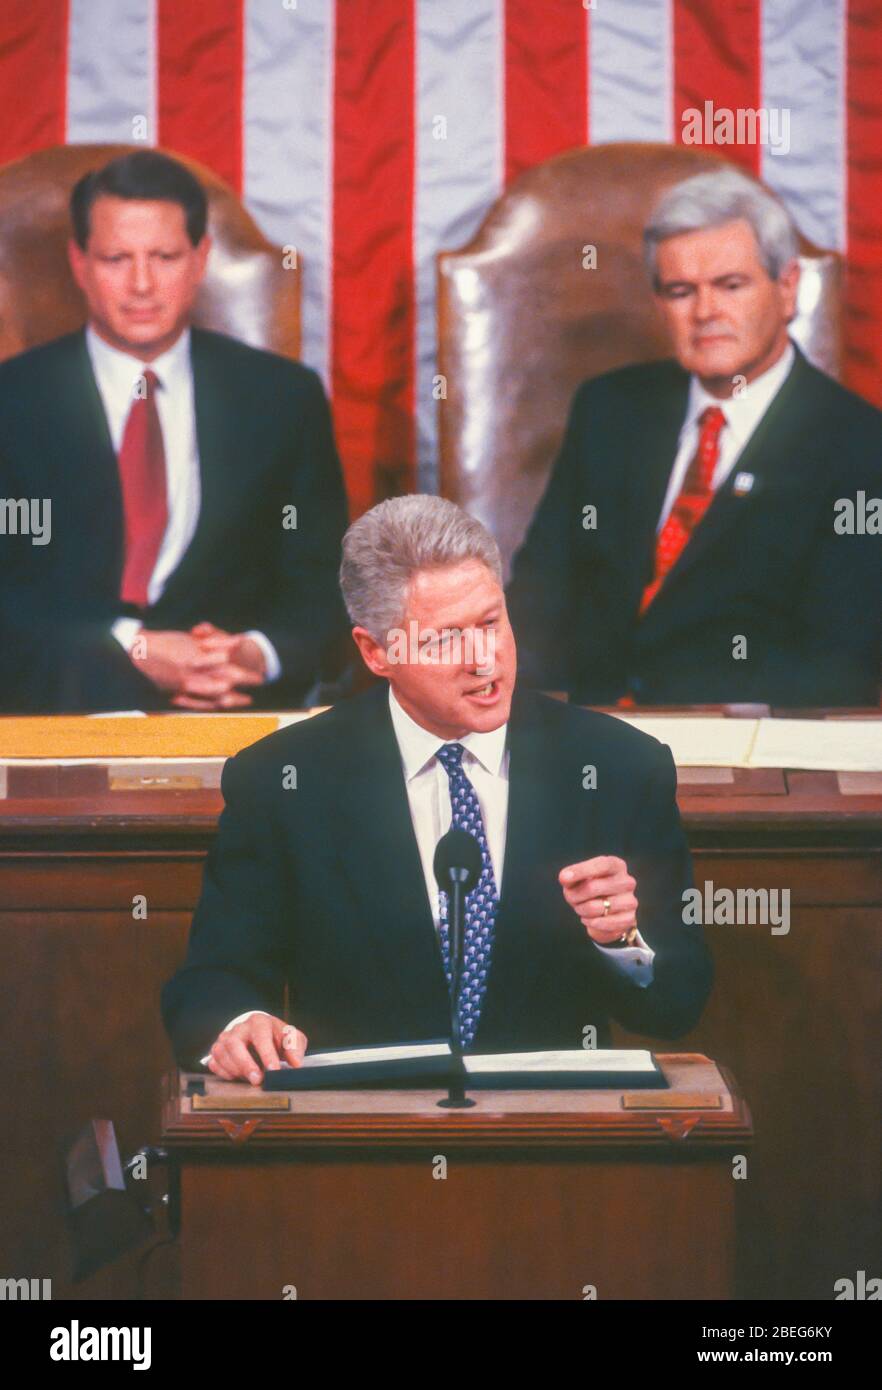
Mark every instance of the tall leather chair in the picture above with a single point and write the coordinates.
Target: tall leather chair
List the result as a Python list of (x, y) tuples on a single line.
[(521, 321), (247, 292)]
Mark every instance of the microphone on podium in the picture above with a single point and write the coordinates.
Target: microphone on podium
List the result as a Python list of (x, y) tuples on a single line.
[(457, 866)]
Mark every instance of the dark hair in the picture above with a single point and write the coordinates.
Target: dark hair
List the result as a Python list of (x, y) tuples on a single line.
[(144, 174)]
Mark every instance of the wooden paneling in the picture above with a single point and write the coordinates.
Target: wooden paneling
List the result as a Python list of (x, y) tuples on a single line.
[(797, 1018), (84, 1039), (492, 1229)]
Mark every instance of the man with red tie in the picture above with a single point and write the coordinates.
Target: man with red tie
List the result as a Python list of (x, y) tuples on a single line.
[(690, 545), (193, 486)]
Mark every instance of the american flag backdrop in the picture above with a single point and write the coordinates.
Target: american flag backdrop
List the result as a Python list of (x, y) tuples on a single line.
[(372, 133)]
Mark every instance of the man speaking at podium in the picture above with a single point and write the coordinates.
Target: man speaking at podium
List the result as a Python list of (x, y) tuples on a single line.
[(321, 879)]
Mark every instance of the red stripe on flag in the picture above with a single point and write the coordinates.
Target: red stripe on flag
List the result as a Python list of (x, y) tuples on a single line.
[(373, 327), (200, 52), (546, 81), (717, 60), (33, 75), (863, 294)]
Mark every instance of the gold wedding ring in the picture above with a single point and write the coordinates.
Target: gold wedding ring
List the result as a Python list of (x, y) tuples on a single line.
[(627, 938)]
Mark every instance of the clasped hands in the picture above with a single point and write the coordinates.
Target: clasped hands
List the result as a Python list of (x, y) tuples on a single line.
[(600, 891), (203, 669)]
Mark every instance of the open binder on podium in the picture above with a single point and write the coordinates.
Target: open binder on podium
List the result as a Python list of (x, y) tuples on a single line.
[(433, 1064)]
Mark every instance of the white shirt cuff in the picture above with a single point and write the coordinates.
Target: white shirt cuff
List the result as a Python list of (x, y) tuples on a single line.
[(125, 630), (270, 656), (233, 1021), (634, 961)]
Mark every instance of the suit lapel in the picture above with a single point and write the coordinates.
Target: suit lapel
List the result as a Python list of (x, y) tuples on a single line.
[(222, 461), (536, 840), (95, 472), (88, 407), (382, 863), (649, 453)]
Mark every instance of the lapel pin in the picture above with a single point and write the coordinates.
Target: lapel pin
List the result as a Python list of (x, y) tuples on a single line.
[(743, 484)]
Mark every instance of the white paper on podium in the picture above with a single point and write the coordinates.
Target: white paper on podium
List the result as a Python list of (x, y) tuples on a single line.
[(574, 1060), (577, 1060), (119, 714), (397, 1052), (700, 741), (825, 745)]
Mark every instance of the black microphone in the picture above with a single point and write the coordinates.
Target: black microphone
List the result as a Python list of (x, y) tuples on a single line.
[(457, 858), (457, 866)]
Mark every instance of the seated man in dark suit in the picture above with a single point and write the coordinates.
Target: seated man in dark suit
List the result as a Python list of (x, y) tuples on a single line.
[(695, 543), (320, 883), (191, 483)]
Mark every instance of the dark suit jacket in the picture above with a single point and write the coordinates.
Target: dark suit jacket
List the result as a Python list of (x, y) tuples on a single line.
[(321, 888), (265, 440), (767, 565)]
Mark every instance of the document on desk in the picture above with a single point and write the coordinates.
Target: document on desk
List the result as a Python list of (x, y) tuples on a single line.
[(581, 1061), (699, 741), (367, 1056), (825, 745), (119, 714), (433, 1064)]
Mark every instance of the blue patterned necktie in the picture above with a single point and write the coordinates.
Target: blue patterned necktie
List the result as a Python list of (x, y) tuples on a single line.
[(480, 904)]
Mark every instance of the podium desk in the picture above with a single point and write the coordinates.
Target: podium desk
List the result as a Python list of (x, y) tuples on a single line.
[(547, 1194), (796, 1017)]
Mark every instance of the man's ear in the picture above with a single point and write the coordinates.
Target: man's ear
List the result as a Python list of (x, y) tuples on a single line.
[(372, 654), (659, 310), (76, 257), (202, 251), (788, 285)]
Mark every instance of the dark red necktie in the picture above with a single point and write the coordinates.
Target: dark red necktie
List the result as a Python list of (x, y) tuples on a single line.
[(692, 503), (142, 479)]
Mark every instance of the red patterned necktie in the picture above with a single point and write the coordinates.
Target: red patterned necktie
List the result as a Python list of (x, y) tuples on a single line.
[(142, 479), (692, 503)]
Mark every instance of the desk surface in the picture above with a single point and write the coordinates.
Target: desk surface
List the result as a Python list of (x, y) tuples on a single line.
[(700, 736), (159, 778), (702, 1104)]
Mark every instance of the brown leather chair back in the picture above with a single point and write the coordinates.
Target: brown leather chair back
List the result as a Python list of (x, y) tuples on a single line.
[(247, 291), (521, 322)]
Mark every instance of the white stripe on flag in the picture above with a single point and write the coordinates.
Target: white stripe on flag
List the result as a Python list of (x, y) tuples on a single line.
[(459, 149), (803, 72), (111, 80), (630, 71), (288, 147)]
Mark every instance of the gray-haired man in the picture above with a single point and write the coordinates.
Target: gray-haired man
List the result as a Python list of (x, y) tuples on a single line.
[(733, 553), (321, 877)]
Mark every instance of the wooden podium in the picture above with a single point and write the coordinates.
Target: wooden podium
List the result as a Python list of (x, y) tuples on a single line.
[(530, 1195)]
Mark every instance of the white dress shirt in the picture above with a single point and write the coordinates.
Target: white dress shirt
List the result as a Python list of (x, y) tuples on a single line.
[(485, 763), (743, 413), (117, 374)]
